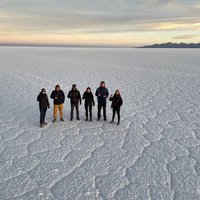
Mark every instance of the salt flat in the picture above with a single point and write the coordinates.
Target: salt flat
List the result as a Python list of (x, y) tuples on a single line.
[(155, 152)]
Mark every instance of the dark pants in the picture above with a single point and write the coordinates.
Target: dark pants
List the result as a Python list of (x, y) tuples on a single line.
[(116, 110), (42, 114), (72, 110), (100, 105), (88, 107)]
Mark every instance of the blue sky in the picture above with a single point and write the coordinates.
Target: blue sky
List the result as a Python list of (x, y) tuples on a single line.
[(99, 22)]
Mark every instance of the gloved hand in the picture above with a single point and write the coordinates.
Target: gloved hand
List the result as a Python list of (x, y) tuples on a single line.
[(93, 104)]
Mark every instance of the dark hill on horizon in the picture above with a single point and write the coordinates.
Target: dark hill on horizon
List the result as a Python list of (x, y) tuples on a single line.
[(173, 45)]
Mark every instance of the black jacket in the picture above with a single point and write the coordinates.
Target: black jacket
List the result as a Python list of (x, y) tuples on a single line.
[(102, 93), (89, 98), (60, 97), (43, 100), (74, 96), (116, 101)]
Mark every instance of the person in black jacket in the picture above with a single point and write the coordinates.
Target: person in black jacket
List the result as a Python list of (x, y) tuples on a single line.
[(102, 94), (89, 102), (59, 98), (75, 98), (116, 105), (43, 105)]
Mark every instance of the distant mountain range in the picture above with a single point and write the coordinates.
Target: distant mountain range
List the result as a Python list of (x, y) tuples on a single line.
[(173, 45)]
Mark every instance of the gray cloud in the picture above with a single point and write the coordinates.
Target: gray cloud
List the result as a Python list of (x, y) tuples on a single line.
[(185, 37), (95, 16)]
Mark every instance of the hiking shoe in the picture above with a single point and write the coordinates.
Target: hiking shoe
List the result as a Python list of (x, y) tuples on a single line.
[(61, 119), (44, 123), (112, 121), (41, 126), (78, 118), (86, 119), (54, 120)]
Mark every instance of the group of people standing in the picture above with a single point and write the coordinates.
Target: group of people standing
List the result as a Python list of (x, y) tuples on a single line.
[(74, 95)]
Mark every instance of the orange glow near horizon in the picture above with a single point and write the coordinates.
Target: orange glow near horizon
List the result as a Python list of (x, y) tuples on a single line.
[(125, 39), (115, 39), (114, 23), (151, 33)]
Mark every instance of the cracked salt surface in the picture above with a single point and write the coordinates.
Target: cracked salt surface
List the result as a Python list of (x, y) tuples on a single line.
[(153, 154)]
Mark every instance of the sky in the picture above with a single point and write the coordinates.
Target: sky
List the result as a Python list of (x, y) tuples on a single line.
[(99, 22)]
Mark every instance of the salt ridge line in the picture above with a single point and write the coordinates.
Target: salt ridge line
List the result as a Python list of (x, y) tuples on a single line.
[(159, 146)]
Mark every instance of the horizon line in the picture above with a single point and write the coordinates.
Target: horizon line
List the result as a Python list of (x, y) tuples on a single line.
[(62, 45), (82, 45)]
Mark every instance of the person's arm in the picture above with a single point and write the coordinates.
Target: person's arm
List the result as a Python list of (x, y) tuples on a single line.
[(83, 97), (38, 97), (93, 103), (48, 105), (69, 94), (111, 97), (97, 92), (52, 95), (121, 101), (79, 96), (107, 93), (63, 99)]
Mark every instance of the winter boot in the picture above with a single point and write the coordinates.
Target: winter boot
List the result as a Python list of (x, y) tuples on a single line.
[(90, 116), (112, 119)]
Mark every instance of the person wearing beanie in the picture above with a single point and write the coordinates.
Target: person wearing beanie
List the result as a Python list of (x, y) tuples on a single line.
[(116, 105), (75, 98), (102, 94), (58, 97), (89, 102), (43, 105)]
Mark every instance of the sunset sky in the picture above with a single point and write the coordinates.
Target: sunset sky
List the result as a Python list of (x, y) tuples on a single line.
[(99, 22)]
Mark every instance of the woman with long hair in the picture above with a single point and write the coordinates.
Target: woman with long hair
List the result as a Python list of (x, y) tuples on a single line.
[(116, 105), (89, 102)]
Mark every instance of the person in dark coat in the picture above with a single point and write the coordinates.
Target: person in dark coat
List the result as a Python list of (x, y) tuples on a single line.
[(75, 99), (43, 105), (102, 94), (58, 97), (89, 102), (116, 105)]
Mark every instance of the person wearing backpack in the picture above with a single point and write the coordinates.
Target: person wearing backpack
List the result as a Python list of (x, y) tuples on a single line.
[(116, 105), (59, 97), (102, 94), (43, 105), (89, 102), (75, 98)]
